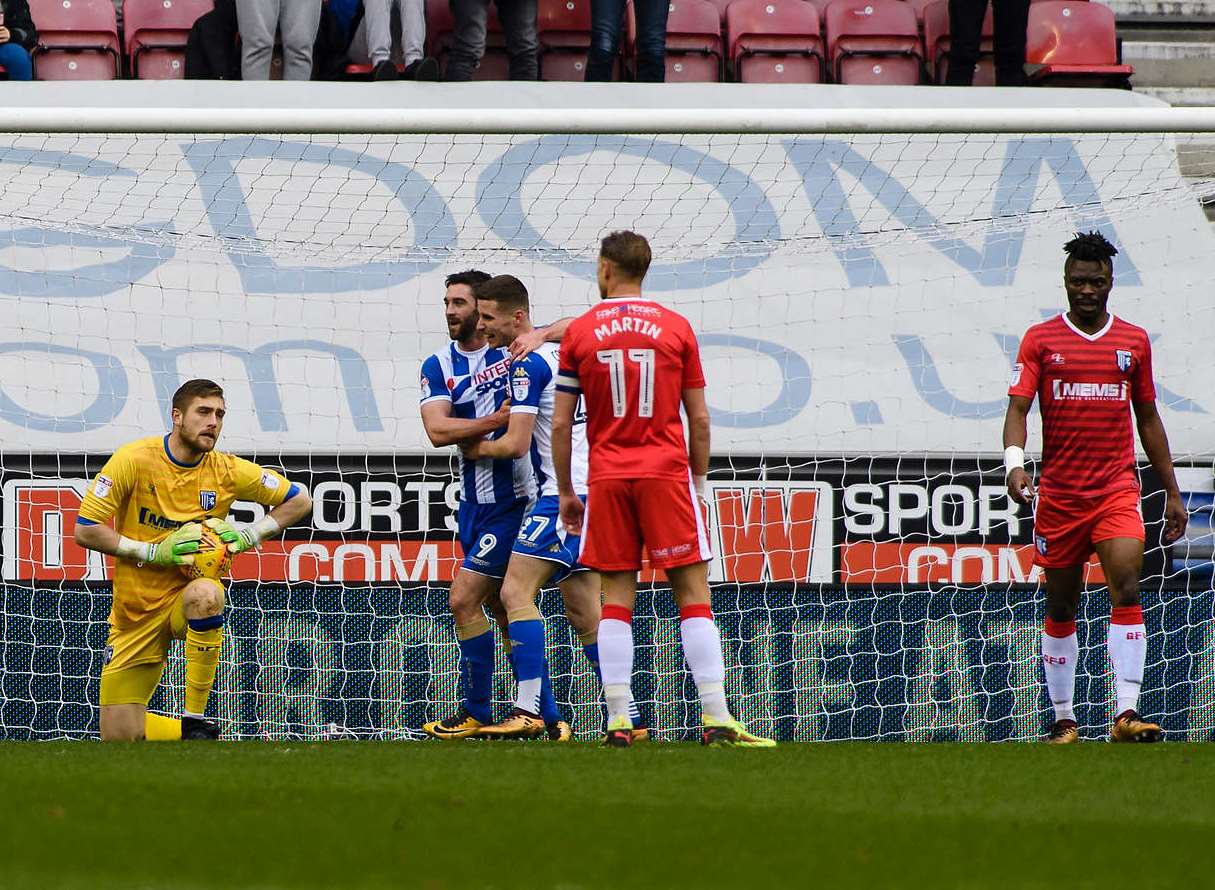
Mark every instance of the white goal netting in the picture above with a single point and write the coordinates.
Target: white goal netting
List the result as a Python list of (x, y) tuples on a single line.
[(860, 299)]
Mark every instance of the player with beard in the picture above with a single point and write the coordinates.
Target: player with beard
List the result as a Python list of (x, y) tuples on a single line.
[(464, 398), (159, 491), (1085, 366)]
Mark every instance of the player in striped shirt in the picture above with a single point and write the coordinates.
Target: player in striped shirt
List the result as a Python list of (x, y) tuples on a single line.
[(543, 552), (1088, 369), (464, 392)]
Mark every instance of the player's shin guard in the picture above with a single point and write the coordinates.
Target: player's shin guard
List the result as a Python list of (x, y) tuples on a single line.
[(159, 728), (527, 654), (203, 639), (477, 667), (616, 659), (1128, 649), (702, 649), (1060, 650)]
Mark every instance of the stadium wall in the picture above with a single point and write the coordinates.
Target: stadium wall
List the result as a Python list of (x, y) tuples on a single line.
[(860, 301)]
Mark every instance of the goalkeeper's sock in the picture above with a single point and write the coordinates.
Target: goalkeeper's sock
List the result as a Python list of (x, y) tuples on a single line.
[(1127, 642), (1060, 649), (203, 639), (527, 656), (592, 655), (159, 728), (477, 667), (616, 659), (702, 649)]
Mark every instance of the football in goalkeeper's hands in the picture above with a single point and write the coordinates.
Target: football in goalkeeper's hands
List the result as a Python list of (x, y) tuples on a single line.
[(212, 559)]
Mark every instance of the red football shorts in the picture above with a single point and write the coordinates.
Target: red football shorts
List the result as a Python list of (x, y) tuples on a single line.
[(1066, 528), (624, 514)]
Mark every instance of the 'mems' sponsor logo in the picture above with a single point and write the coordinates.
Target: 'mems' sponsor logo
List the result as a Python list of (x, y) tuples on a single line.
[(1106, 392)]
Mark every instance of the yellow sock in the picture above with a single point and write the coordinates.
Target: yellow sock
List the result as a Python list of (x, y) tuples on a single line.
[(159, 728), (203, 637)]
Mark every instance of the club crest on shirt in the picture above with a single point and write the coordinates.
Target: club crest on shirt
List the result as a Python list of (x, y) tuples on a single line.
[(206, 500), (1124, 358)]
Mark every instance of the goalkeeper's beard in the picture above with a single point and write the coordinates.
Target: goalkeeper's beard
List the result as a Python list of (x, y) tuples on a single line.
[(198, 443)]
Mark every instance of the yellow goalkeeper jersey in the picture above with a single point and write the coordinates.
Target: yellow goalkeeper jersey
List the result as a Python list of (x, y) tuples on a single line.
[(149, 493)]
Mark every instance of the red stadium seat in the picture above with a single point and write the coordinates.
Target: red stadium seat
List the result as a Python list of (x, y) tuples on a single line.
[(156, 33), (694, 50), (722, 7), (937, 45), (564, 31), (774, 41), (77, 40), (918, 6), (1073, 43), (873, 42), (495, 64)]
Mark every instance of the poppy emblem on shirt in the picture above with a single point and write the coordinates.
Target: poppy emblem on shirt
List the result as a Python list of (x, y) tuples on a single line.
[(206, 500), (1124, 358)]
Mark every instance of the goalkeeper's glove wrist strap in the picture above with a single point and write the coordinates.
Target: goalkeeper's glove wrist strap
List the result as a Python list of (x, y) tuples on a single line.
[(265, 527), (140, 551)]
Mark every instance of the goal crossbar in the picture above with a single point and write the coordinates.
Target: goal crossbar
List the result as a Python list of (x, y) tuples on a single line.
[(605, 120)]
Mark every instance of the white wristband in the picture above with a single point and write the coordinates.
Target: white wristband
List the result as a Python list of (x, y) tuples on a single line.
[(264, 528), (129, 548), (698, 482), (1014, 459)]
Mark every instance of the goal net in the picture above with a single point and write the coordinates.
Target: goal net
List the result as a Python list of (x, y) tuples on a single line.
[(859, 296)]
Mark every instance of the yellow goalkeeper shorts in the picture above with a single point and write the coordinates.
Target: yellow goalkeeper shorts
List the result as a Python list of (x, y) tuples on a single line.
[(135, 656)]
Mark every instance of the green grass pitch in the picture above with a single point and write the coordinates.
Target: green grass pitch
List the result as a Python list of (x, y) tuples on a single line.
[(477, 814)]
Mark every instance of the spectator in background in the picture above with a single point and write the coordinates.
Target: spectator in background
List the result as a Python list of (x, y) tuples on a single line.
[(372, 38), (607, 21), (518, 19), (296, 20), (1011, 21), (17, 38)]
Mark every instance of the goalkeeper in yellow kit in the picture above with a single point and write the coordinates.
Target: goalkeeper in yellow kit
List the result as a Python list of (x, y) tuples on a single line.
[(160, 491)]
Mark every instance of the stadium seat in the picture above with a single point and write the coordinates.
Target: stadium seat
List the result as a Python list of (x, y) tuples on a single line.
[(774, 41), (564, 31), (694, 50), (1073, 43), (722, 7), (937, 44), (77, 40), (495, 64), (873, 42), (156, 33)]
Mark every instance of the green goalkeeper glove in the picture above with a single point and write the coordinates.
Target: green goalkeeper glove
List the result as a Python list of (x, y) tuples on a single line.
[(178, 548), (239, 541)]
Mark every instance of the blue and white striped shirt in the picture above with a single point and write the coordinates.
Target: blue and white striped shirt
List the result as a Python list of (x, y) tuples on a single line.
[(476, 384)]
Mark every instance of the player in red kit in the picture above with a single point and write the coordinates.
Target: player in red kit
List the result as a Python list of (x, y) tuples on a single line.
[(636, 363), (1085, 366)]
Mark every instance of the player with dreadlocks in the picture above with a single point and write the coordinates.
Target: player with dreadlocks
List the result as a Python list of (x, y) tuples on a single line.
[(1084, 366)]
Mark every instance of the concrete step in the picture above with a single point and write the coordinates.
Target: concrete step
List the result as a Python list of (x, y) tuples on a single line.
[(1169, 63), (1184, 12), (1181, 96)]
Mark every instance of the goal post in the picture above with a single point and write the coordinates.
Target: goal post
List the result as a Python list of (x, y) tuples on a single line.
[(860, 278)]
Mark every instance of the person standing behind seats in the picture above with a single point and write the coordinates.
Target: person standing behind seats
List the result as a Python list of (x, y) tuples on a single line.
[(18, 37), (468, 38), (607, 21), (965, 33), (297, 20)]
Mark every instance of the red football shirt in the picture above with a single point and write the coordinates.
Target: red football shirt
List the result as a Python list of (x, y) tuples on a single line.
[(1085, 384), (632, 358)]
